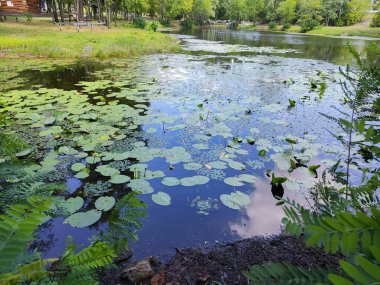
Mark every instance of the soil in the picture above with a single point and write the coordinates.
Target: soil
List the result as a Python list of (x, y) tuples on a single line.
[(224, 263)]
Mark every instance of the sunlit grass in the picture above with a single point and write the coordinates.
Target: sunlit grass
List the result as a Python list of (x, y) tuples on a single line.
[(45, 40)]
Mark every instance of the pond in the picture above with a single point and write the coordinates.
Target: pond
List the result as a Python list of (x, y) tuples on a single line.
[(198, 134)]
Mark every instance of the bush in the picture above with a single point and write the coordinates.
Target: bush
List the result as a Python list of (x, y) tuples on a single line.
[(376, 20), (165, 22), (187, 24), (272, 25), (308, 24), (29, 18), (139, 22), (285, 27), (234, 25), (153, 26)]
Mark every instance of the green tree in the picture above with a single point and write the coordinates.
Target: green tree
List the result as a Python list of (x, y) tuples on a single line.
[(287, 10), (310, 14), (236, 10), (202, 10), (356, 10), (256, 10)]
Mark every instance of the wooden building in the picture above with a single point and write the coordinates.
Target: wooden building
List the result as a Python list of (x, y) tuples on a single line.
[(20, 7)]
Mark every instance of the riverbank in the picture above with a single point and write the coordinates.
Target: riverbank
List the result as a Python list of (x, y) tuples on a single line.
[(350, 31), (43, 39), (223, 264)]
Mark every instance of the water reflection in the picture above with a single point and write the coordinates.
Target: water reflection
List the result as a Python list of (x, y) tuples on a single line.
[(314, 47)]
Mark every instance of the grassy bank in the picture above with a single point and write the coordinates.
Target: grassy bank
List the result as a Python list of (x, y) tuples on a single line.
[(356, 30), (46, 40)]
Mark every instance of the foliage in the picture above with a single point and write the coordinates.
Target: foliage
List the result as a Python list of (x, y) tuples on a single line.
[(139, 22), (272, 26), (153, 26), (376, 20), (187, 24), (340, 220)]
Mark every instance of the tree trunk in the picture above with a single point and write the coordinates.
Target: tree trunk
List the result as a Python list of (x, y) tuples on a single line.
[(54, 8), (109, 17), (115, 15), (80, 15), (61, 10), (99, 11), (70, 12)]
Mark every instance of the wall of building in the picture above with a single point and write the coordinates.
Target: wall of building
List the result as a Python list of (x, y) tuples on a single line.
[(20, 6)]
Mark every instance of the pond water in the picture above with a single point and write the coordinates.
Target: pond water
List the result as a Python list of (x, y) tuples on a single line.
[(197, 133)]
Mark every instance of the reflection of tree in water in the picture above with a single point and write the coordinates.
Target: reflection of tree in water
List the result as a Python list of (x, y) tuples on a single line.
[(45, 240)]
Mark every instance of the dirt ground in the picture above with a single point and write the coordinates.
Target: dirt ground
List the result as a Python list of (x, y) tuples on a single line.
[(223, 264)]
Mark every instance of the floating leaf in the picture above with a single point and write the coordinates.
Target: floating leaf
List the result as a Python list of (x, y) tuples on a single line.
[(262, 152), (236, 165), (171, 181), (235, 200), (92, 159), (105, 203), (192, 166), (72, 205), (161, 198), (66, 150), (82, 175), (119, 179), (233, 181), (78, 167), (314, 167), (106, 170), (83, 219), (194, 180), (141, 186)]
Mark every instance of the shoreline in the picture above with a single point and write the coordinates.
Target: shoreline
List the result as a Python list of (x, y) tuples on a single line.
[(221, 263)]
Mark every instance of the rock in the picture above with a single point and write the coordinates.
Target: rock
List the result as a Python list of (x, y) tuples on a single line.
[(140, 271)]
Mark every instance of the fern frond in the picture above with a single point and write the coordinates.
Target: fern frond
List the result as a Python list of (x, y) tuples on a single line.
[(283, 274), (347, 232), (96, 255), (366, 270), (17, 227), (32, 271)]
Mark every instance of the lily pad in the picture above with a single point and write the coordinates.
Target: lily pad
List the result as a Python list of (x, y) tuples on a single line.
[(236, 165), (233, 181), (194, 180), (105, 203), (78, 167), (171, 181), (23, 153), (83, 219), (192, 166), (72, 205), (119, 179), (235, 200), (161, 198), (82, 175), (106, 170), (141, 186)]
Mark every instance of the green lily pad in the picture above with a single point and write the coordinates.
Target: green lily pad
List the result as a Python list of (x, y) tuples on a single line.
[(92, 159), (235, 200), (83, 219), (236, 165), (119, 179), (72, 205), (171, 181), (161, 198), (106, 170), (233, 181), (194, 180), (192, 166), (141, 186), (78, 167), (105, 203), (82, 175), (66, 150)]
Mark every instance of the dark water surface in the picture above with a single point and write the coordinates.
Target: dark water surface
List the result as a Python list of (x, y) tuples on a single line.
[(202, 107)]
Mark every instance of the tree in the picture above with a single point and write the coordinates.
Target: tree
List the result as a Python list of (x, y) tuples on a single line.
[(287, 10), (356, 9), (202, 10), (310, 14), (256, 10), (329, 10), (236, 10)]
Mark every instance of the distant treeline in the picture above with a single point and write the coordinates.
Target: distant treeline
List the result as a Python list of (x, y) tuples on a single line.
[(306, 13)]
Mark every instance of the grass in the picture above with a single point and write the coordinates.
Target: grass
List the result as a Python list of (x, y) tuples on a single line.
[(43, 39), (355, 30)]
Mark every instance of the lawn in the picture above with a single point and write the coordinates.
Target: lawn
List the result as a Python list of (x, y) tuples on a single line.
[(44, 39)]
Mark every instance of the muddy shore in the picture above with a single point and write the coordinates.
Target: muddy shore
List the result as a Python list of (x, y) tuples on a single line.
[(223, 264)]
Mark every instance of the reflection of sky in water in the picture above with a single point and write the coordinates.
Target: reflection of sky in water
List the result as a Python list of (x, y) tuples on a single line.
[(260, 84)]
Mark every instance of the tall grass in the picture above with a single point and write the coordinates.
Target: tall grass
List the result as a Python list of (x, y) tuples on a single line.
[(45, 40)]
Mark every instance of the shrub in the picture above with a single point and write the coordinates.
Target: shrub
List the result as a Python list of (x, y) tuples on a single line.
[(139, 22), (376, 20), (285, 26), (153, 26), (308, 24), (187, 24), (165, 22), (29, 18), (272, 26)]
